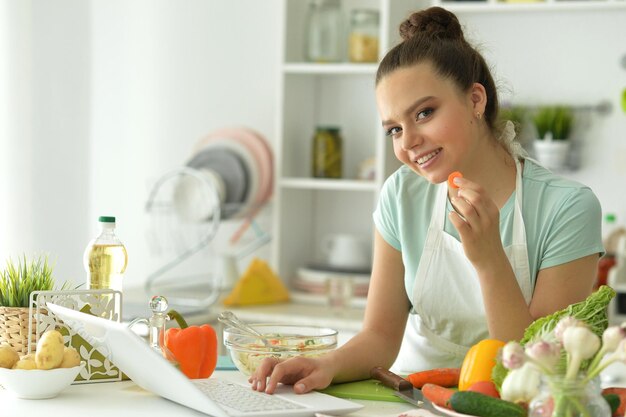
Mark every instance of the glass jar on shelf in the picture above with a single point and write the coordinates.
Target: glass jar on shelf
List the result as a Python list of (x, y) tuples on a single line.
[(327, 153), (324, 32), (364, 31)]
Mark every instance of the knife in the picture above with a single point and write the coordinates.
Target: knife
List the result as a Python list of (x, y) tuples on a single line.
[(402, 388)]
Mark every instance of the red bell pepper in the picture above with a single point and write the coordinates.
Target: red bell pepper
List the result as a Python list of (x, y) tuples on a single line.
[(194, 347)]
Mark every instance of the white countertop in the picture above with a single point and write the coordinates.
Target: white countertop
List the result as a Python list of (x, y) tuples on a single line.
[(109, 399), (347, 321), (350, 318), (125, 398)]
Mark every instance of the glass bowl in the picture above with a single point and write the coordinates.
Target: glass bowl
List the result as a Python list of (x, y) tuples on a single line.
[(280, 341), (36, 384)]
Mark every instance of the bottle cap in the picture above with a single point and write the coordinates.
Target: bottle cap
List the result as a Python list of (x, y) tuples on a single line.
[(106, 219), (329, 128)]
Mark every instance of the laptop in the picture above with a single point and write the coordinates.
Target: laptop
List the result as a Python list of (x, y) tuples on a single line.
[(215, 396)]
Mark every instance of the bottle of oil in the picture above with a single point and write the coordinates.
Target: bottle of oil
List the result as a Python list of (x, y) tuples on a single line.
[(105, 258)]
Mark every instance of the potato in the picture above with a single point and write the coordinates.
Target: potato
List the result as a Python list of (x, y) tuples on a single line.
[(71, 358), (8, 357), (49, 354), (26, 362)]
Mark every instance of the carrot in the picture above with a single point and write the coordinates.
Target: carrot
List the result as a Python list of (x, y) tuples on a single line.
[(445, 377), (438, 395), (621, 393), (452, 176)]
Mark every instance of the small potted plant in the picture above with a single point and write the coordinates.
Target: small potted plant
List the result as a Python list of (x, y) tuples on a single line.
[(17, 281), (553, 125)]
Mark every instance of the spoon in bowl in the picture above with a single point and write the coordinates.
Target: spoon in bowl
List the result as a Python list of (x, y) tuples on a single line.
[(229, 318)]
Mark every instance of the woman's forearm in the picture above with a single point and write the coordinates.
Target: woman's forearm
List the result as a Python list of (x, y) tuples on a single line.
[(355, 359), (507, 313), (555, 288)]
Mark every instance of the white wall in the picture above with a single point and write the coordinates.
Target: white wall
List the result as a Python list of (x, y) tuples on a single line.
[(103, 96), (165, 74), (45, 119), (570, 57)]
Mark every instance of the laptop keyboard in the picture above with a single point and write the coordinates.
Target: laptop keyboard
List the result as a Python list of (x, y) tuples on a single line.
[(242, 398)]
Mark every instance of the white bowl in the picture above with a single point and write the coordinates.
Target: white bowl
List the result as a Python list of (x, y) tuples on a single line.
[(38, 384)]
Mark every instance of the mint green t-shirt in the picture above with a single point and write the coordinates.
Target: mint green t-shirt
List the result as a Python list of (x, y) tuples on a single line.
[(562, 218)]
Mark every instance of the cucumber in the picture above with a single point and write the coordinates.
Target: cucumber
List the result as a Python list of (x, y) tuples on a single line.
[(613, 400), (481, 405)]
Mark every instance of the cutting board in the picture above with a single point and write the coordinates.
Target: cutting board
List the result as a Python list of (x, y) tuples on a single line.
[(368, 389)]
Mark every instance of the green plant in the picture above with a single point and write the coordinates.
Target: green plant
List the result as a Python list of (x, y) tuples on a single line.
[(553, 120), (19, 279)]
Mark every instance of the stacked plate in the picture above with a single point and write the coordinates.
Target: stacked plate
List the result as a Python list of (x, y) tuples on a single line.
[(238, 162), (314, 281)]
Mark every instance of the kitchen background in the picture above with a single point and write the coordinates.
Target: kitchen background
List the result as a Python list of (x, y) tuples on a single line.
[(100, 98)]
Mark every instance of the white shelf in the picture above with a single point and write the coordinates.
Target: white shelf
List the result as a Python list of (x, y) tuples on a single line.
[(540, 6), (335, 69), (328, 184), (314, 94)]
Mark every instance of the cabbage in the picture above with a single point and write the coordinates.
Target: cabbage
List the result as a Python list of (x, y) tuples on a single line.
[(593, 311)]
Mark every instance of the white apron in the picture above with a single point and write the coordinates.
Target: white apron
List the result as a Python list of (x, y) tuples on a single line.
[(449, 314)]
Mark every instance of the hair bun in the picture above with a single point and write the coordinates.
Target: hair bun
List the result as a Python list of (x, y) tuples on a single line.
[(434, 22)]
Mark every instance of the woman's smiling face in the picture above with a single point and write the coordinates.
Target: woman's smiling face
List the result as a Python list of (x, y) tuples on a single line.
[(431, 123)]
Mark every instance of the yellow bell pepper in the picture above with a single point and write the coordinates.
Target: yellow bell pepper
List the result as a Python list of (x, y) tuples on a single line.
[(478, 362)]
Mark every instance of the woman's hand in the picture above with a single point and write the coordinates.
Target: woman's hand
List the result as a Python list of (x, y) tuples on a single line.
[(305, 374), (479, 226)]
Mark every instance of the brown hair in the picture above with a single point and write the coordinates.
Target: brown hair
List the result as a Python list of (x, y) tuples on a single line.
[(434, 35)]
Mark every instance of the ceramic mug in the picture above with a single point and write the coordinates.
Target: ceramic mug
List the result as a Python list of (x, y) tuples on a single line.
[(346, 251)]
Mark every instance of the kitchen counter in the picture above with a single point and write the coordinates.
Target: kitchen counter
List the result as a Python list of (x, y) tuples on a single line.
[(347, 321), (135, 301), (125, 398), (349, 318)]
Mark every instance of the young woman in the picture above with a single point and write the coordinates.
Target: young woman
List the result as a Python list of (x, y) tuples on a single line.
[(452, 266)]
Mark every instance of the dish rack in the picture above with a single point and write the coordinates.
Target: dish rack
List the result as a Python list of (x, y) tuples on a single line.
[(224, 182)]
